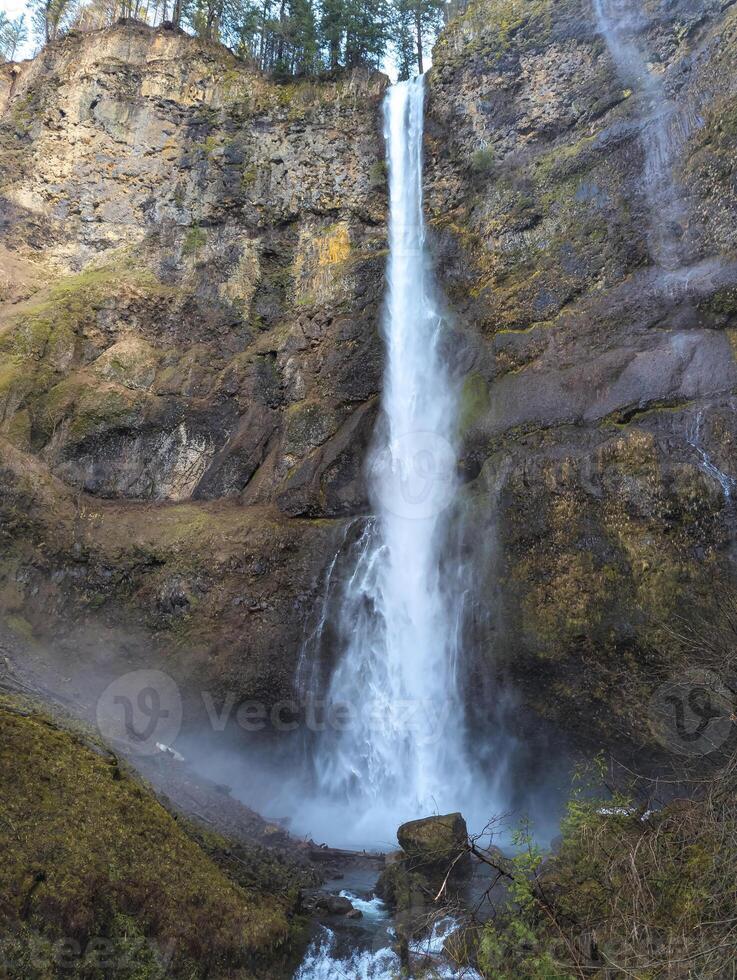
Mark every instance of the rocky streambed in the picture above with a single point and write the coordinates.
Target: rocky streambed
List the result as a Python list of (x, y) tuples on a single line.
[(411, 918)]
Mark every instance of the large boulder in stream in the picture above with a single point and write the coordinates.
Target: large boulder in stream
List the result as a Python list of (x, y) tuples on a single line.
[(435, 842), (432, 848), (335, 904)]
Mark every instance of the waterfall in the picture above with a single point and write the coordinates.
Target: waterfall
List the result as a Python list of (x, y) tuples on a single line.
[(663, 129), (400, 752), (694, 436)]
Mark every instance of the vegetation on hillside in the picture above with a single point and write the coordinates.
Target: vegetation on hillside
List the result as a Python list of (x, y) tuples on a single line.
[(285, 38), (98, 876), (643, 880), (627, 893)]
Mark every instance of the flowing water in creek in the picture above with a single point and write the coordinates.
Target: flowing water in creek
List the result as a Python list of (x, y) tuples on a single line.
[(365, 950)]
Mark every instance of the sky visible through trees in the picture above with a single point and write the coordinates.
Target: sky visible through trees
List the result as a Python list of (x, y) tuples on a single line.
[(285, 38)]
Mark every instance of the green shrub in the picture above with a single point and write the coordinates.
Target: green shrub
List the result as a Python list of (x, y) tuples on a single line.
[(378, 172), (628, 892), (195, 239), (482, 161)]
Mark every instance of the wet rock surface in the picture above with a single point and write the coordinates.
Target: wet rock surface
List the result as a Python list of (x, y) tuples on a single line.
[(587, 366), (192, 269), (192, 264), (334, 904), (434, 842), (214, 243)]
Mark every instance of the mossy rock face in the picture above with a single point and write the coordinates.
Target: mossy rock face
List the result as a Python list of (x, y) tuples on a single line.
[(131, 362), (591, 554), (91, 859), (308, 426), (221, 591), (244, 287), (188, 319), (599, 456), (403, 890)]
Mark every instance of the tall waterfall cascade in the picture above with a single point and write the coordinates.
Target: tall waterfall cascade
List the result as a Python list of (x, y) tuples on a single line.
[(400, 752)]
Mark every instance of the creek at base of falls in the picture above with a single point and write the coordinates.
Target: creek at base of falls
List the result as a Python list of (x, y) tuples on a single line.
[(368, 948)]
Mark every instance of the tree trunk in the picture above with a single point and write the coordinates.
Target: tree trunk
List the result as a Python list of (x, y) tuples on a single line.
[(262, 39), (418, 28), (282, 21)]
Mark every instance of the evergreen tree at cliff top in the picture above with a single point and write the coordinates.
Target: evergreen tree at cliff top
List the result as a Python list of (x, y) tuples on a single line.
[(416, 25), (286, 38), (13, 35)]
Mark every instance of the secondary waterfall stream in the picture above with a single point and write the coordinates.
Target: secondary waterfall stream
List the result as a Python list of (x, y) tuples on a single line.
[(663, 130), (400, 753)]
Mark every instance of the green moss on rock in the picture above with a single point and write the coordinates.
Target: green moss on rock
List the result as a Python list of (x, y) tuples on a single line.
[(434, 841), (131, 362), (90, 856), (87, 406), (309, 424), (474, 402), (50, 337)]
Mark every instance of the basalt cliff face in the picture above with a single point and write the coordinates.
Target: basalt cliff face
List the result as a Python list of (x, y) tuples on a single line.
[(599, 419), (192, 263)]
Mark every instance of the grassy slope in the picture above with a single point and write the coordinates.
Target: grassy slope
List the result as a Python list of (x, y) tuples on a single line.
[(91, 857)]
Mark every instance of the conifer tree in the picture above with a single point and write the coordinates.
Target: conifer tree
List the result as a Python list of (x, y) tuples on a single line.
[(13, 35), (51, 18), (285, 38), (366, 32), (417, 23)]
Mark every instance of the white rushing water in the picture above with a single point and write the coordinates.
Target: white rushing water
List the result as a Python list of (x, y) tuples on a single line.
[(400, 752), (323, 961), (372, 909), (726, 482), (664, 128)]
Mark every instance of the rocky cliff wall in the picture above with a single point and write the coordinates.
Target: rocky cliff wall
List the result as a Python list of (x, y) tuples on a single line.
[(192, 263), (599, 422), (214, 246)]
